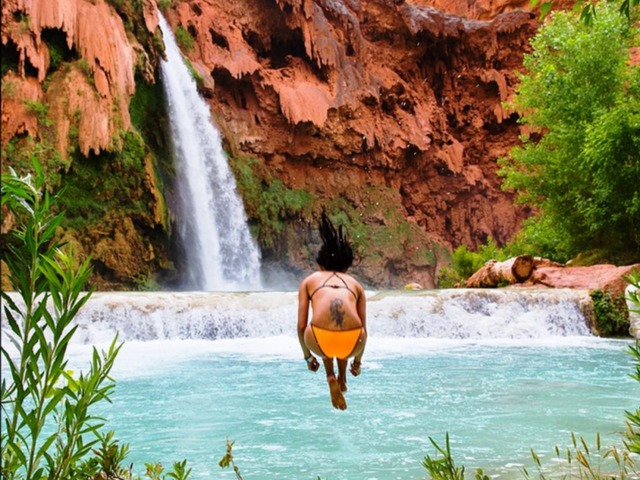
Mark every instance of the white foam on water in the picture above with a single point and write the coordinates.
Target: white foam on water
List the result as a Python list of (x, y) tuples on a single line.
[(443, 315), (169, 327)]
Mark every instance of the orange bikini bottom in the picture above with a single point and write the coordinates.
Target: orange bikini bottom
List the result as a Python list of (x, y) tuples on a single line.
[(336, 343)]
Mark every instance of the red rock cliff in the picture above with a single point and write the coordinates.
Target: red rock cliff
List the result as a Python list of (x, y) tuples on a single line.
[(97, 33), (393, 106), (389, 110), (68, 79)]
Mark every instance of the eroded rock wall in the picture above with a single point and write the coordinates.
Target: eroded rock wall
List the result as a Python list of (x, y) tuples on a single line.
[(375, 98), (100, 93), (69, 73), (390, 111)]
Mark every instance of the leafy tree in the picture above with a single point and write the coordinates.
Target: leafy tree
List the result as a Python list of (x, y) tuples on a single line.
[(588, 8), (580, 166)]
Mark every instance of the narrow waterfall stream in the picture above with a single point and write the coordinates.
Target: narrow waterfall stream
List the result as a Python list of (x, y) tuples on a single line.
[(220, 252)]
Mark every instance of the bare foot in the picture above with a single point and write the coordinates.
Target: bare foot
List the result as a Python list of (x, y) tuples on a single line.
[(342, 381), (355, 368), (337, 399)]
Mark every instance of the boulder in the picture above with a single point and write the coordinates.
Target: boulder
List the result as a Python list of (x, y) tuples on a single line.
[(609, 278)]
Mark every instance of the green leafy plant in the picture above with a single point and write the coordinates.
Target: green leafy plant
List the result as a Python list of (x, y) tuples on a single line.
[(227, 460), (48, 429), (179, 472), (444, 468), (587, 8), (632, 434), (41, 390), (107, 460)]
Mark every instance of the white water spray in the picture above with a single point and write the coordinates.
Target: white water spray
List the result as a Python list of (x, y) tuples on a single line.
[(435, 316), (220, 251)]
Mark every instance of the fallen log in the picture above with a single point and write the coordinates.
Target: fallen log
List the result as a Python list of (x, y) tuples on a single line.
[(494, 274)]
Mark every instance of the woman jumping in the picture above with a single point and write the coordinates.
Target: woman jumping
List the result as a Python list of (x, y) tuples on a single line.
[(338, 327)]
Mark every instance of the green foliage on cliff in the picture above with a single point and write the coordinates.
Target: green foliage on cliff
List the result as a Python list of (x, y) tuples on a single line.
[(184, 39), (98, 186), (20, 151), (149, 117), (379, 230), (579, 168), (268, 201)]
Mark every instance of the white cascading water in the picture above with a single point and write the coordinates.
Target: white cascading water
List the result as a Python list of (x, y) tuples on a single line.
[(439, 315), (220, 251)]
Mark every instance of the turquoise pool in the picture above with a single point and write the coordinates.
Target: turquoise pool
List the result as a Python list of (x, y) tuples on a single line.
[(497, 400)]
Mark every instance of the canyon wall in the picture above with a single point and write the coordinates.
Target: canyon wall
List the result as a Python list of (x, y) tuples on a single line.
[(384, 109), (389, 114)]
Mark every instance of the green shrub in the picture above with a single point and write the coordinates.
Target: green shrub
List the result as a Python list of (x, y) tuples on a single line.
[(97, 186), (40, 109), (465, 263), (580, 96), (611, 314), (192, 70), (268, 201), (442, 468)]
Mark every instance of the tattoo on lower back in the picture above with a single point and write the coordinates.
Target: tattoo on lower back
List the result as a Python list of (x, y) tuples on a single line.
[(337, 312)]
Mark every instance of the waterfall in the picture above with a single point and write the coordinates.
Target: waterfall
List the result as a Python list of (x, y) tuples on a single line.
[(438, 315), (220, 252)]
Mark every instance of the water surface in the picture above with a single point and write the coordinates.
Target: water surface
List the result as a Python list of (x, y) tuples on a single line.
[(497, 400), (500, 371)]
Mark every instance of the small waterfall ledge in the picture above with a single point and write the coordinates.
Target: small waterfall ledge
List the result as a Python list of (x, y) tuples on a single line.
[(467, 314)]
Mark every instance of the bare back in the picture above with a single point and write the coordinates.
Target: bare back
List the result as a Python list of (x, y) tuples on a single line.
[(337, 300)]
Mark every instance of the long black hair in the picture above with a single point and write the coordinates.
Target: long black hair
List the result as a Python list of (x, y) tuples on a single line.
[(336, 253)]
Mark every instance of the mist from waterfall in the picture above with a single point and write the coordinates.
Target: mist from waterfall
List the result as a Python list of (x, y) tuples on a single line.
[(221, 254)]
